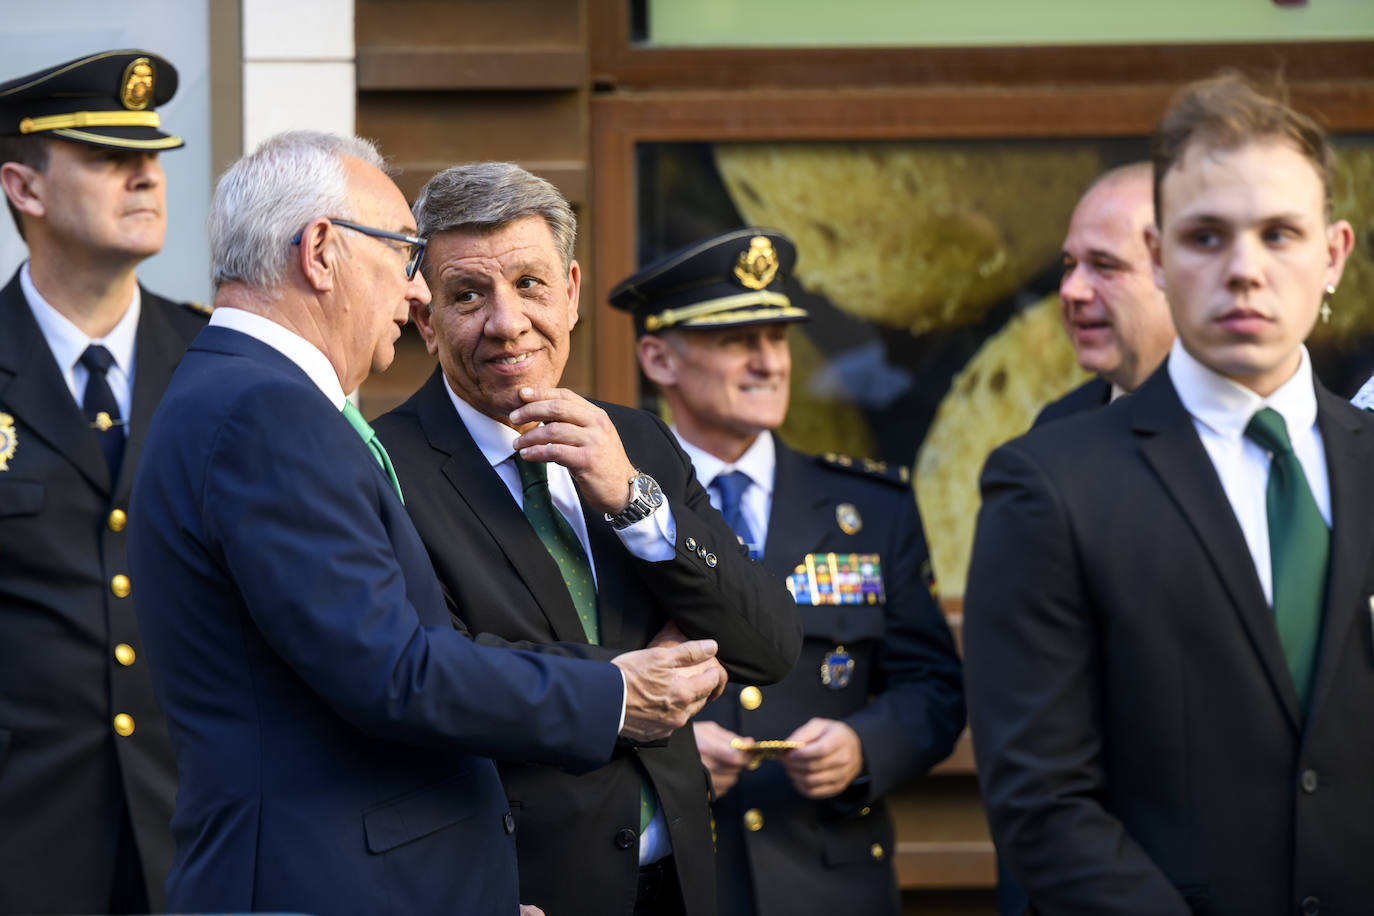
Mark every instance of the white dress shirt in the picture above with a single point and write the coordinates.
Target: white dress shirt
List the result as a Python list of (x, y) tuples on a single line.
[(300, 351), (67, 342), (1221, 409), (651, 538), (759, 463), (1365, 396)]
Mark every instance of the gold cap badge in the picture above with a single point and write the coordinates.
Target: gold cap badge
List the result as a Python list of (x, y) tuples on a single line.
[(758, 265), (137, 90)]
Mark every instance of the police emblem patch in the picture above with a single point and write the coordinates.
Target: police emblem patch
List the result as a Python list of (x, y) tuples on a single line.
[(837, 670), (848, 518), (9, 440)]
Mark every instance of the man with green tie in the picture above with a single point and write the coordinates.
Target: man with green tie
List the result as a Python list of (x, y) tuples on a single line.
[(1167, 624), (573, 527)]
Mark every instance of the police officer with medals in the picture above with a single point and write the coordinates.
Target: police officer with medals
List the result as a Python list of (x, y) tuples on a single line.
[(799, 769), (86, 771)]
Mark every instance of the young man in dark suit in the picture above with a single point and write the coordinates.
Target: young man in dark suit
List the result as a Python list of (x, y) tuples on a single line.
[(876, 697), (1167, 624), (572, 527), (86, 771), (1114, 313), (330, 724)]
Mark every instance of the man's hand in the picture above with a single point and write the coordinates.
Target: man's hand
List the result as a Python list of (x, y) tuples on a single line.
[(723, 760), (529, 909), (830, 757), (665, 687), (578, 435)]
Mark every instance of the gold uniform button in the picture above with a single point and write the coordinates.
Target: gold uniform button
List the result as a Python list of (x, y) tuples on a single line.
[(117, 520), (121, 586), (753, 820), (751, 698), (124, 725), (877, 851), (124, 654), (865, 812)]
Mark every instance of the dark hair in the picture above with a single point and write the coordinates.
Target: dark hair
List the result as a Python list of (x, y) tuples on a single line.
[(1228, 111), (26, 149)]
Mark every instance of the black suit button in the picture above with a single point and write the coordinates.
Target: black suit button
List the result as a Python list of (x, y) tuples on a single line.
[(690, 544), (1311, 906), (509, 823), (625, 838), (1309, 782)]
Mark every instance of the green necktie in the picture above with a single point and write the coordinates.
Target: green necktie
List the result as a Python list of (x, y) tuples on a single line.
[(560, 541), (1299, 546), (562, 544), (355, 418)]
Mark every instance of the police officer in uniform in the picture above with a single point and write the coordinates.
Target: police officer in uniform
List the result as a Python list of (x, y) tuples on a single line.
[(799, 769), (86, 771)]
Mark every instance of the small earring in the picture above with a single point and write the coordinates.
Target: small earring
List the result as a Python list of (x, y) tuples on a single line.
[(1326, 306)]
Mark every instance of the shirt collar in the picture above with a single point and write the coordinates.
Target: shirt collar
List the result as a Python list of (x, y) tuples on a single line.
[(1226, 407), (757, 462), (67, 342), (495, 440), (308, 357)]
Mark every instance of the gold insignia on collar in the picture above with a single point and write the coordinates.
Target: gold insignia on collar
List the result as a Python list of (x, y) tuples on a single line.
[(756, 267), (9, 440), (137, 92), (848, 518)]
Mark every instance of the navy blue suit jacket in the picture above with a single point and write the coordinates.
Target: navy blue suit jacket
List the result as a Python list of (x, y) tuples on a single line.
[(325, 715)]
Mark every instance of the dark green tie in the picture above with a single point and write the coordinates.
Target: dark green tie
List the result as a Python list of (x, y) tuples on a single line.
[(562, 544), (1299, 545), (355, 418)]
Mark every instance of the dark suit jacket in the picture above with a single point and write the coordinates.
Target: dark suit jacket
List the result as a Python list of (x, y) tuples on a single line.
[(325, 714), (1138, 736), (905, 701), (65, 776), (1091, 394), (505, 587)]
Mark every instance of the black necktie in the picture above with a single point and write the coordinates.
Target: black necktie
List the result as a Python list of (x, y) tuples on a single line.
[(101, 408)]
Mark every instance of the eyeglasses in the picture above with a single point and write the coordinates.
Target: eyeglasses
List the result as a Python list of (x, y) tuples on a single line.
[(417, 244)]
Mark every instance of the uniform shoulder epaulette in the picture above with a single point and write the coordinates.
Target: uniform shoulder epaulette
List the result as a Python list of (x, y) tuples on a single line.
[(900, 475), (200, 308)]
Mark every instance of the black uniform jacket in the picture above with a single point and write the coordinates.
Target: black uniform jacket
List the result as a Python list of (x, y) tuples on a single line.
[(65, 775), (904, 699), (577, 835)]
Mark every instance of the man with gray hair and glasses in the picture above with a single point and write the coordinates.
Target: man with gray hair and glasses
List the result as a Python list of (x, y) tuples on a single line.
[(572, 526), (329, 723)]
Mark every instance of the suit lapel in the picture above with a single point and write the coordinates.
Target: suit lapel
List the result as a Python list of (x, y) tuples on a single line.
[(1170, 445), (1350, 465), (32, 386), (159, 350), (486, 496), (800, 517)]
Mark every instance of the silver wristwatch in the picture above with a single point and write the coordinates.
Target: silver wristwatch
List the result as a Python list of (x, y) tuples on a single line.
[(645, 497)]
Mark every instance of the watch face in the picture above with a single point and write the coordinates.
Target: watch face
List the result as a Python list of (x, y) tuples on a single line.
[(647, 489)]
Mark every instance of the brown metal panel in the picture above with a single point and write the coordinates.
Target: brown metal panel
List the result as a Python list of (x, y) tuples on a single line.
[(471, 23), (383, 67)]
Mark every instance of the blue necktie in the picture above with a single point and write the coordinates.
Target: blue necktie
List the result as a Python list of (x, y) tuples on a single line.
[(101, 409), (730, 487)]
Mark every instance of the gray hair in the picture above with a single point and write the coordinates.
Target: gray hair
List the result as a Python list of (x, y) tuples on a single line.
[(485, 196), (268, 196)]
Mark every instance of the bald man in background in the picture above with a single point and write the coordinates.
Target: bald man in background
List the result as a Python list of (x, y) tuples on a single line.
[(1116, 317)]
